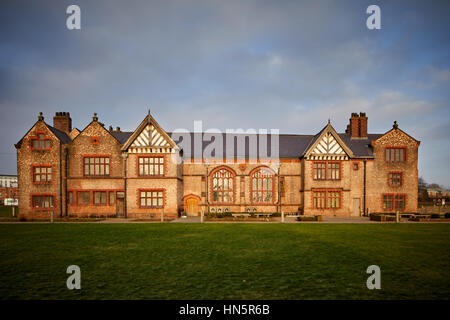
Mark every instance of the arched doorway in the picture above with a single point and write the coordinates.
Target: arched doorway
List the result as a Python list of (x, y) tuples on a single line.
[(191, 205)]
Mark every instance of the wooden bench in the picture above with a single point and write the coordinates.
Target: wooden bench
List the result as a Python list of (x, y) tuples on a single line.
[(292, 215), (414, 216)]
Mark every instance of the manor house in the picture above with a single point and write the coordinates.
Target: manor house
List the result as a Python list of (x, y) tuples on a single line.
[(101, 171)]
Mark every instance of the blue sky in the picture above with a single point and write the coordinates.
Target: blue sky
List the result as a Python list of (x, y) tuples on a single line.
[(289, 65)]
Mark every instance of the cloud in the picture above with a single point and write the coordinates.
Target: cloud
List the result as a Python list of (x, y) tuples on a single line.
[(233, 64)]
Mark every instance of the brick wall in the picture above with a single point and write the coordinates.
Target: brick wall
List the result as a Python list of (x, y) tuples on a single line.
[(26, 159), (378, 171), (94, 140)]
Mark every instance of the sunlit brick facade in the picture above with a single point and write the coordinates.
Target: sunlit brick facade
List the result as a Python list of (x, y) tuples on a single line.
[(99, 172)]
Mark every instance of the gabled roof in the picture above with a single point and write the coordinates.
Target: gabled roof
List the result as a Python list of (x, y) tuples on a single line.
[(95, 120), (74, 133), (149, 121), (395, 127), (318, 138), (60, 135), (291, 145)]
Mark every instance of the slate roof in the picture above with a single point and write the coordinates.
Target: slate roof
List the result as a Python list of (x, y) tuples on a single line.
[(61, 135), (122, 137), (291, 145), (360, 147)]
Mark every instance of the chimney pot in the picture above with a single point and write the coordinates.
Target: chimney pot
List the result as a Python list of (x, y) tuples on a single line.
[(358, 125), (62, 122)]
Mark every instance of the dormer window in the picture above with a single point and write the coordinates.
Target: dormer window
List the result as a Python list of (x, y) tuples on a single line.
[(41, 141)]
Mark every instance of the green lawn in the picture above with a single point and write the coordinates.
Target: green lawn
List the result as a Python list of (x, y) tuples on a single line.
[(224, 261)]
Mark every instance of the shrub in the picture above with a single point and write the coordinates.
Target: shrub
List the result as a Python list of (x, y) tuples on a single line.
[(277, 214), (219, 214), (306, 218), (447, 215), (435, 216)]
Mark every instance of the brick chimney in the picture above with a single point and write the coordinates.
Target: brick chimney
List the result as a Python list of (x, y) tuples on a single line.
[(62, 121), (358, 126), (362, 125)]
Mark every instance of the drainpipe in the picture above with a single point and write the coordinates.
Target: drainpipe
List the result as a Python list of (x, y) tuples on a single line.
[(66, 161), (364, 199), (125, 156)]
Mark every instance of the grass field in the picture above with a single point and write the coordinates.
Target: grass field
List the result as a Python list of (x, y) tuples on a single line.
[(224, 261)]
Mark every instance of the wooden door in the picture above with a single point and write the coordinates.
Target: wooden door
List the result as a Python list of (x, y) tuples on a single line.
[(120, 207), (192, 207), (356, 207)]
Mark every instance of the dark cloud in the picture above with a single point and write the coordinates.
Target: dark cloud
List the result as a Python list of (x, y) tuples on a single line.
[(233, 64)]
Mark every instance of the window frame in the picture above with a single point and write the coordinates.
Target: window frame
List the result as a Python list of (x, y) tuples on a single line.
[(40, 167), (43, 195), (322, 170), (70, 198), (151, 197), (78, 198), (390, 180), (105, 192), (38, 139), (113, 198), (339, 170), (268, 177), (228, 191), (326, 198), (337, 199), (404, 148), (75, 197), (395, 201), (327, 169), (315, 202), (150, 165), (89, 164)]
